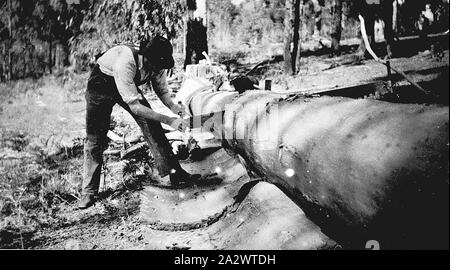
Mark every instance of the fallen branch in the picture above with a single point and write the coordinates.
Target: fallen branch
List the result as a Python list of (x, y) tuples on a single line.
[(118, 139), (262, 63), (134, 150), (114, 137), (112, 152)]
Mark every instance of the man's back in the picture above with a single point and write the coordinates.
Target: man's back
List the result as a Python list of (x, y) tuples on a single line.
[(121, 55)]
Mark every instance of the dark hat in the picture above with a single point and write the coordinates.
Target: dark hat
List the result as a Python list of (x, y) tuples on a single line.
[(158, 51)]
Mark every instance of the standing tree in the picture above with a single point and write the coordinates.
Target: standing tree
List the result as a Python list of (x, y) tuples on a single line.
[(10, 40), (67, 26), (288, 37), (196, 35), (291, 35), (317, 6), (301, 15), (57, 23), (395, 17), (111, 22), (44, 22), (296, 36), (387, 11), (336, 29)]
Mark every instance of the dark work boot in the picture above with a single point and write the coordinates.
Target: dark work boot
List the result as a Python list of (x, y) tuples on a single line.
[(87, 200)]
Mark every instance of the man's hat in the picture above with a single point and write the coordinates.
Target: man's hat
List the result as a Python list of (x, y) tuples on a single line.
[(158, 51)]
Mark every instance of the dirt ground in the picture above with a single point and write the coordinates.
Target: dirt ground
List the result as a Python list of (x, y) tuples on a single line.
[(40, 183)]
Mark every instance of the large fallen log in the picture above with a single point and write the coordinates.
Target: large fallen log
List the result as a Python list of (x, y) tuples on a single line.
[(360, 169)]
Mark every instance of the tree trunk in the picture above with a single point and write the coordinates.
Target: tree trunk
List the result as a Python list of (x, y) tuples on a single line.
[(296, 35), (292, 36), (4, 64), (196, 35), (10, 41), (66, 53), (387, 10), (54, 53), (62, 55), (300, 27), (50, 56), (395, 17), (318, 4), (336, 28), (359, 176), (58, 57), (288, 36)]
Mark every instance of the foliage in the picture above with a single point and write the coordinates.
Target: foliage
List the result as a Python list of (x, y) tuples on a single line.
[(48, 33), (55, 33), (36, 25), (116, 22), (255, 22)]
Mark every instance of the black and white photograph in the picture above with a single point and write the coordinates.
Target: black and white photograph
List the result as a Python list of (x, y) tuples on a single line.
[(247, 127)]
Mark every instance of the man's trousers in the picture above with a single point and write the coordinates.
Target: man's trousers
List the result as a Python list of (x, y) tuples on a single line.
[(101, 95)]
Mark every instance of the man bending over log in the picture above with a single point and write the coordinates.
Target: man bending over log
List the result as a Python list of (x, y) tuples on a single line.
[(115, 80)]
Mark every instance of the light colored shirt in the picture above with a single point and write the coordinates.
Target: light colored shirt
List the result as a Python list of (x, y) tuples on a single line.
[(119, 62)]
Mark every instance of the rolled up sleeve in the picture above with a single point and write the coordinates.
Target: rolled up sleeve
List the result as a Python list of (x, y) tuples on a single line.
[(159, 83), (124, 73)]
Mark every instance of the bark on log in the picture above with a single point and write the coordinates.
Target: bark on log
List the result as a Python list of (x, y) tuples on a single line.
[(361, 169)]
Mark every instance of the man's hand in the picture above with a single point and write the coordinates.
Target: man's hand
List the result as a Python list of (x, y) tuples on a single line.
[(179, 109), (179, 124)]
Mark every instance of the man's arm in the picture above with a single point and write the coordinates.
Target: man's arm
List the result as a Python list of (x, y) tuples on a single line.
[(124, 73), (143, 111), (159, 84), (167, 100)]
